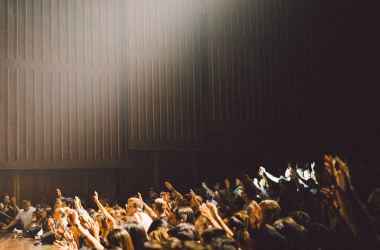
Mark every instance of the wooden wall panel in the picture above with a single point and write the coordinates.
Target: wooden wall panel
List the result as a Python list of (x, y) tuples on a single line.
[(260, 61), (166, 72), (63, 87)]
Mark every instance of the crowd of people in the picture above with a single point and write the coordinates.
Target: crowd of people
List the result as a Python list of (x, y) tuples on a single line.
[(315, 207)]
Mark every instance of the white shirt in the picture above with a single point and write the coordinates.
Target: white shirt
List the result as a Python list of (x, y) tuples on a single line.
[(25, 217), (144, 219)]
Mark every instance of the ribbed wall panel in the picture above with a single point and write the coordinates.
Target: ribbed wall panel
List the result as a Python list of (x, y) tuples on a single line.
[(166, 72), (261, 71), (62, 90)]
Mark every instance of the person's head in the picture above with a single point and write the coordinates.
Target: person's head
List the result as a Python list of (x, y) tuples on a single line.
[(159, 235), (184, 215), (44, 213), (152, 193), (184, 232), (249, 192), (294, 233), (6, 199), (133, 205), (211, 234), (137, 233), (237, 182), (300, 217), (224, 243), (68, 202), (239, 221), (239, 224), (119, 238), (159, 206), (271, 211), (156, 224), (25, 204)]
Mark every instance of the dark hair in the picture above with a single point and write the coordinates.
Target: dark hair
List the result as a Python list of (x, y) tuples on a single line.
[(158, 224), (69, 201), (300, 217), (159, 204), (186, 214), (212, 233), (271, 211), (119, 237), (224, 243), (184, 231), (25, 203), (137, 233)]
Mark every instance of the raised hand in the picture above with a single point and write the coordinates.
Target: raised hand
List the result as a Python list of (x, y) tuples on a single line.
[(192, 193), (213, 209), (227, 183), (329, 164), (93, 228), (205, 211), (77, 202), (261, 171), (58, 192), (139, 196), (168, 185), (344, 168), (96, 196), (73, 217)]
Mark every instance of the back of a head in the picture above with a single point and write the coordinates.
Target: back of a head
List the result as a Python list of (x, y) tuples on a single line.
[(158, 224), (211, 234), (119, 238), (300, 217), (137, 234), (294, 233), (239, 221), (271, 211), (184, 231), (185, 215), (224, 243), (159, 235), (25, 204), (160, 205)]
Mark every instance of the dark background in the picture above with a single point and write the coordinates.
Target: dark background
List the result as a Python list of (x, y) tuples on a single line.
[(120, 96)]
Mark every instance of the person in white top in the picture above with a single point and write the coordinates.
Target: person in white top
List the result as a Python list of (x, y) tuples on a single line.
[(25, 216), (134, 208)]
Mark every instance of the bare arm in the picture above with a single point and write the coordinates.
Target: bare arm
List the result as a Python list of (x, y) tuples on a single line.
[(149, 211), (219, 220), (74, 221), (103, 209), (173, 190)]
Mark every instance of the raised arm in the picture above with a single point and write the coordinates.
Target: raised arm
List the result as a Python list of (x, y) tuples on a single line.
[(103, 209), (74, 221), (269, 176), (173, 190), (148, 210)]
